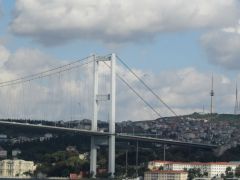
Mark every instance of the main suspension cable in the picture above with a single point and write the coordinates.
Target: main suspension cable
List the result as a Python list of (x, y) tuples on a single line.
[(130, 87), (43, 72), (150, 89), (40, 75)]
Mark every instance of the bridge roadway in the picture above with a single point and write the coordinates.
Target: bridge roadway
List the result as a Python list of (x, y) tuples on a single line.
[(117, 135)]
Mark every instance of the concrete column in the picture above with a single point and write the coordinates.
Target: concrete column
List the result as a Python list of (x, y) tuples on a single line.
[(93, 157), (111, 155), (93, 152)]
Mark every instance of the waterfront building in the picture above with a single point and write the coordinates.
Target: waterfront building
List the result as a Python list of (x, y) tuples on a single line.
[(165, 175), (16, 168), (210, 169), (3, 153)]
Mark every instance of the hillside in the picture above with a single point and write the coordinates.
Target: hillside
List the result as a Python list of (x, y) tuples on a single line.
[(51, 153)]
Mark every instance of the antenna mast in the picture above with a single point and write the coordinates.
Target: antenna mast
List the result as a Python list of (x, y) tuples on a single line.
[(211, 94)]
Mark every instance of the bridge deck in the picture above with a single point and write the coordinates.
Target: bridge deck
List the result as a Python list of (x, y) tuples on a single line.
[(118, 135)]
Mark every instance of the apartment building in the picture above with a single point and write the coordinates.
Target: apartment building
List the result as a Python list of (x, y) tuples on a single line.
[(165, 175), (156, 164), (212, 169), (16, 167), (3, 153)]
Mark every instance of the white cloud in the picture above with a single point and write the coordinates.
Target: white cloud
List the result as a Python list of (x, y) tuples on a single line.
[(68, 95), (185, 90), (28, 61), (59, 21), (222, 47), (4, 55)]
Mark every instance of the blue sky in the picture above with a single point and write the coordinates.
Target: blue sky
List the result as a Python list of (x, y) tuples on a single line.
[(188, 35), (168, 50)]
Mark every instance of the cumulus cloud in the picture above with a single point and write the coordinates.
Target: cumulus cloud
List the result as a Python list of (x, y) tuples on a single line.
[(4, 54), (43, 98), (222, 47), (185, 91), (68, 95), (55, 22), (28, 61)]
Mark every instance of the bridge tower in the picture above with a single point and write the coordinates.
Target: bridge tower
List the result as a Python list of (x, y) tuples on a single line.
[(96, 99)]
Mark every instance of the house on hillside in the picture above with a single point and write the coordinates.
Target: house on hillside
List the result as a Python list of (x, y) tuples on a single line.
[(3, 138), (3, 153), (46, 137), (15, 152), (71, 149)]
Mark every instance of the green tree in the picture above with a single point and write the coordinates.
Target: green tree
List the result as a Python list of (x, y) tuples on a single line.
[(28, 173), (229, 172), (237, 171), (194, 172), (62, 163), (222, 175), (205, 174), (160, 168)]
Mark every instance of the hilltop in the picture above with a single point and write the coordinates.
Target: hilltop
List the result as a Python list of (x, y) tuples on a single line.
[(220, 129)]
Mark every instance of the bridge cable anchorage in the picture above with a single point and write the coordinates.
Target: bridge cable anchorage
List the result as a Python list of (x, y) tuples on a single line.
[(130, 87), (41, 75), (150, 89)]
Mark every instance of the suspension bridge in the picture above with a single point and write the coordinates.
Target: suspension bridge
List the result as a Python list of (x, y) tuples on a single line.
[(84, 89)]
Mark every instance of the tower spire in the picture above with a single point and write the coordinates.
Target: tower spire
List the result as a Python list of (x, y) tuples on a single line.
[(211, 94)]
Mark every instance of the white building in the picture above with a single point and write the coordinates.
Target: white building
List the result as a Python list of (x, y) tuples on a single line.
[(165, 175), (156, 164), (48, 136), (179, 166), (212, 169), (3, 138), (15, 152), (216, 169), (17, 167), (3, 153)]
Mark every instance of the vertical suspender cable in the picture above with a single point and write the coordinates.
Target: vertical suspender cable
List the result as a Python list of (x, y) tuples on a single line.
[(165, 104)]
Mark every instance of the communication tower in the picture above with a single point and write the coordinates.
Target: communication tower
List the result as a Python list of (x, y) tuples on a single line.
[(212, 95)]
